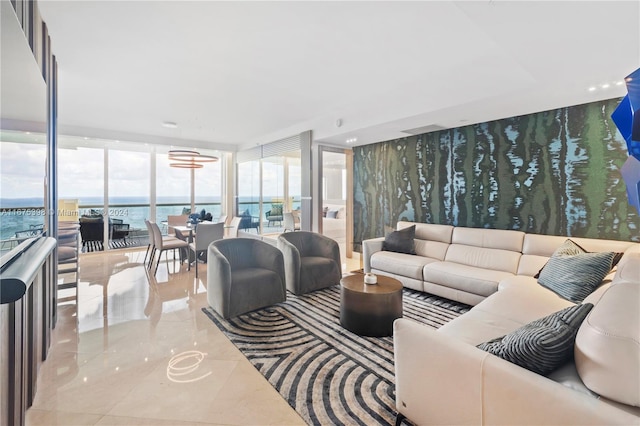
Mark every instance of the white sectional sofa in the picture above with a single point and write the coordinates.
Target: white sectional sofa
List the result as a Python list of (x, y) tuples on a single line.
[(442, 378)]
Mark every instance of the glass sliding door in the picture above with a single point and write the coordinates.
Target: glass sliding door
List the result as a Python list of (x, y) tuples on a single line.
[(273, 193), (294, 182), (173, 189), (208, 186), (248, 206), (267, 189), (129, 183), (81, 177)]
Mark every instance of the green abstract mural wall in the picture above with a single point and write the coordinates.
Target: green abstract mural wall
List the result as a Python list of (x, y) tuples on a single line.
[(554, 172)]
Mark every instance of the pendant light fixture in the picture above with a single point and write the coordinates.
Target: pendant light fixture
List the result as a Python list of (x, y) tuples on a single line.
[(186, 159)]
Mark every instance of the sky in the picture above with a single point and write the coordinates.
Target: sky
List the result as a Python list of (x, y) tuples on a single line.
[(81, 173)]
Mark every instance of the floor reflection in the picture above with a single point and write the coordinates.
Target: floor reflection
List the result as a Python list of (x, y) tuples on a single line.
[(136, 348)]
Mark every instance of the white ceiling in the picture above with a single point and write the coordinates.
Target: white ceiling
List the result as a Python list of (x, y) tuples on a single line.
[(236, 74)]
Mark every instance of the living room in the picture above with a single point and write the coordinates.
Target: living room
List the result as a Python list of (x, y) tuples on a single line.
[(492, 115)]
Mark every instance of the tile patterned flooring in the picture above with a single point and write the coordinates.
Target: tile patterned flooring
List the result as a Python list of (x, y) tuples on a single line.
[(135, 349)]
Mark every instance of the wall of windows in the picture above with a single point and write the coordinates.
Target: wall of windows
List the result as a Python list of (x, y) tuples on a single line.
[(208, 188), (134, 192), (173, 189), (267, 188), (22, 166), (248, 198)]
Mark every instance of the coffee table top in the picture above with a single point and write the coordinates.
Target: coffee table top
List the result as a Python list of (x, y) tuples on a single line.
[(385, 284)]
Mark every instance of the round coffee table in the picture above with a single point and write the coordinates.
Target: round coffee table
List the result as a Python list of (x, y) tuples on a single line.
[(370, 309)]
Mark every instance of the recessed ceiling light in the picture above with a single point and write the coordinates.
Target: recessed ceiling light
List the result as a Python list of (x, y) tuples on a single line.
[(27, 133), (352, 140), (591, 89), (605, 86), (169, 124), (619, 83)]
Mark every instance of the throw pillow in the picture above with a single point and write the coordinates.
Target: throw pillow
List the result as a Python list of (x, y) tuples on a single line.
[(576, 277), (401, 241), (276, 209), (544, 344), (571, 248), (332, 214)]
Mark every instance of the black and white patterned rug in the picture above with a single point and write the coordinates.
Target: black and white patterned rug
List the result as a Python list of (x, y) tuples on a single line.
[(329, 375)]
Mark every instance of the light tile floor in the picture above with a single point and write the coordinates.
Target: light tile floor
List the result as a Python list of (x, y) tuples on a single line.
[(137, 350)]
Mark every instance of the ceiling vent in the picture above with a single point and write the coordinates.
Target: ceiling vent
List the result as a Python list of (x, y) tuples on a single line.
[(425, 129)]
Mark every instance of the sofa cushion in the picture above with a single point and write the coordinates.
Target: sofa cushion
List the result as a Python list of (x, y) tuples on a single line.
[(575, 277), (544, 344), (400, 241), (519, 301), (471, 279), (489, 238), (607, 350), (484, 258), (431, 240), (545, 245), (400, 264)]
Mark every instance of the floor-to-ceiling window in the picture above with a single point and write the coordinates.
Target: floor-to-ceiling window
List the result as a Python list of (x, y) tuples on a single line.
[(129, 183), (208, 187), (273, 193), (173, 189), (267, 189), (294, 181), (248, 190), (81, 176), (22, 162)]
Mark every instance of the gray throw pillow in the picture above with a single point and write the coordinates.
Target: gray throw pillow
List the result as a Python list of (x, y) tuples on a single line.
[(401, 241), (542, 345), (575, 277), (571, 248)]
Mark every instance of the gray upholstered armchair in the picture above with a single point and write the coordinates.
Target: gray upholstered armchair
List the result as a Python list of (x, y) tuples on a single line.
[(244, 274), (311, 261)]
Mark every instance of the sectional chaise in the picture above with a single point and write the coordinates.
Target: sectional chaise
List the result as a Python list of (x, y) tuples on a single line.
[(442, 377)]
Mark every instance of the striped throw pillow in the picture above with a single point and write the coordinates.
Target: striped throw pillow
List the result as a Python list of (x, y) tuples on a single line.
[(575, 277), (542, 345)]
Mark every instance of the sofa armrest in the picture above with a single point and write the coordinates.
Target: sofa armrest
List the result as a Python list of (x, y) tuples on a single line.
[(441, 380), (369, 247), (438, 378)]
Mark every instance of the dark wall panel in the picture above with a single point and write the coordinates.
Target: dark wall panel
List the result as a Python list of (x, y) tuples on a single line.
[(554, 172)]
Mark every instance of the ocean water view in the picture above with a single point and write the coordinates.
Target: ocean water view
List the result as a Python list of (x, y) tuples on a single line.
[(23, 214)]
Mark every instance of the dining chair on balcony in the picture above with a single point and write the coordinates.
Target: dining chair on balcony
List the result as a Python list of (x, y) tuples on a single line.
[(207, 233), (222, 219), (165, 244)]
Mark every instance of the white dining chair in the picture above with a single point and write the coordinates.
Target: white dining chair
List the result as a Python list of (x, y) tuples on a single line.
[(164, 244), (233, 227), (206, 233)]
